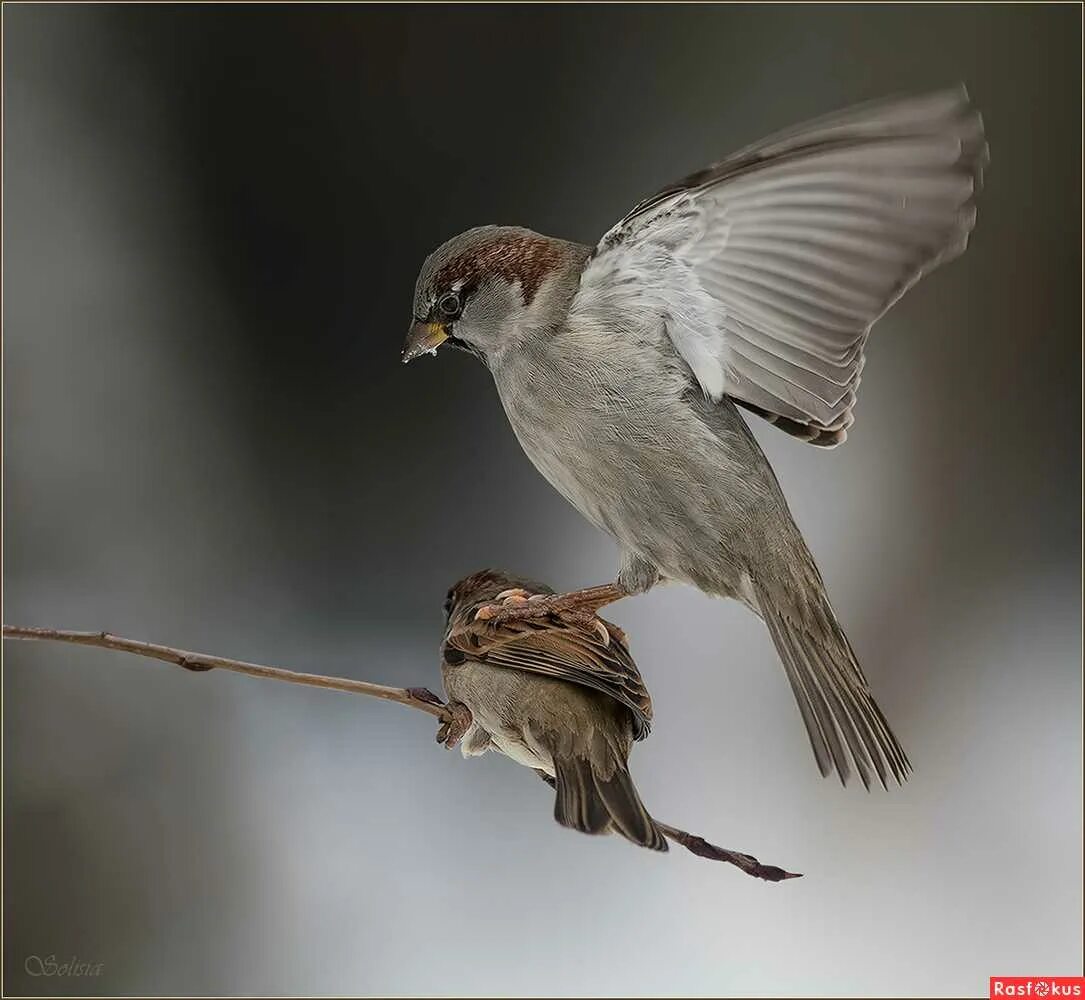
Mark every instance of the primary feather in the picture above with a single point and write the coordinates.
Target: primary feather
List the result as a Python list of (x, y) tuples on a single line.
[(769, 268)]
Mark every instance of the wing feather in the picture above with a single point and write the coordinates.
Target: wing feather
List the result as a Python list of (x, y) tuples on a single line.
[(769, 268), (833, 695), (565, 648)]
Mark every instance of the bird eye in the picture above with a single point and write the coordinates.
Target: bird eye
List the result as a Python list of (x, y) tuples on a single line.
[(449, 305)]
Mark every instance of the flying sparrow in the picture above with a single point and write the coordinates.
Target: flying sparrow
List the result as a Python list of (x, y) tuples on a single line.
[(752, 283), (560, 693)]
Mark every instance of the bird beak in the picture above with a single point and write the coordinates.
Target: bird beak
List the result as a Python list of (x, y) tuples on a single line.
[(424, 338)]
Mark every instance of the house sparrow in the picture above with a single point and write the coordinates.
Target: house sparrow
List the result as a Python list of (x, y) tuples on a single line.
[(752, 283), (560, 693)]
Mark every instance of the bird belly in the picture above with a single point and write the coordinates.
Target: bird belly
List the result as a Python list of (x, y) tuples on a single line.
[(513, 746), (639, 461), (500, 701)]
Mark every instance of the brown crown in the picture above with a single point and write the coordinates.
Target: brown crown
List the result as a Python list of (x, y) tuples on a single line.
[(524, 259)]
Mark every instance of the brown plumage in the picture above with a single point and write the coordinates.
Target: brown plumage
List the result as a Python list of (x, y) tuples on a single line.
[(558, 693), (522, 257)]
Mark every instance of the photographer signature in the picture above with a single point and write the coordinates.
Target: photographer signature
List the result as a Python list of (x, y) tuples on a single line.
[(36, 966)]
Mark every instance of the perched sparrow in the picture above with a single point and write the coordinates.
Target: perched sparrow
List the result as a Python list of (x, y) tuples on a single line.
[(751, 283), (560, 693)]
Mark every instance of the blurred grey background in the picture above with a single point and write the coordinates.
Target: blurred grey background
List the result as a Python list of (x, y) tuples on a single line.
[(214, 218)]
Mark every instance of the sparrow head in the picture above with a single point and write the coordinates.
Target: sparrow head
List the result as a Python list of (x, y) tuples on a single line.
[(481, 588), (483, 289)]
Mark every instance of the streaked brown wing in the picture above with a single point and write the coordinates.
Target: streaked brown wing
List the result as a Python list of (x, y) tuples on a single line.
[(566, 648)]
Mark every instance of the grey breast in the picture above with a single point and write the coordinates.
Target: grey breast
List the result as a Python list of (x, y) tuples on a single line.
[(625, 437)]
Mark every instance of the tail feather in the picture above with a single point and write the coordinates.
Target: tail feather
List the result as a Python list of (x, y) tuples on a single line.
[(577, 804), (876, 733), (591, 804), (802, 698), (833, 696), (858, 736), (627, 812)]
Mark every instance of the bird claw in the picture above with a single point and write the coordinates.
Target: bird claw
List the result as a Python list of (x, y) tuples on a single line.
[(455, 721), (517, 604), (452, 729), (602, 631), (515, 597), (586, 620), (618, 634)]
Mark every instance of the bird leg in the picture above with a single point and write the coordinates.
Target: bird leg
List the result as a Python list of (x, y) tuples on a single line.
[(517, 604)]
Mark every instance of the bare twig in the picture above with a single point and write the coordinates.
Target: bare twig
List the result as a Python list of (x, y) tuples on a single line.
[(454, 717), (703, 849), (420, 698)]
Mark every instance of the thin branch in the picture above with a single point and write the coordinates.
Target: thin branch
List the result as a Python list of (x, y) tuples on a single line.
[(452, 716), (703, 849), (420, 698)]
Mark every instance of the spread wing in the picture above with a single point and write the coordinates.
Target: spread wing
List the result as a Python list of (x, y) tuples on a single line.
[(769, 268), (570, 649)]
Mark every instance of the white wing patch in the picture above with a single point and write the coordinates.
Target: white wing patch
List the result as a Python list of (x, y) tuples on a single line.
[(769, 268)]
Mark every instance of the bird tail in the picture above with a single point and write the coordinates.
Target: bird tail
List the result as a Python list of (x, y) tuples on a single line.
[(834, 699), (591, 803)]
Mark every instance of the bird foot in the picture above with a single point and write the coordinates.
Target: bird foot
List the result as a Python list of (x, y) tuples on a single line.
[(536, 607), (452, 730), (616, 633), (513, 598), (517, 604)]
